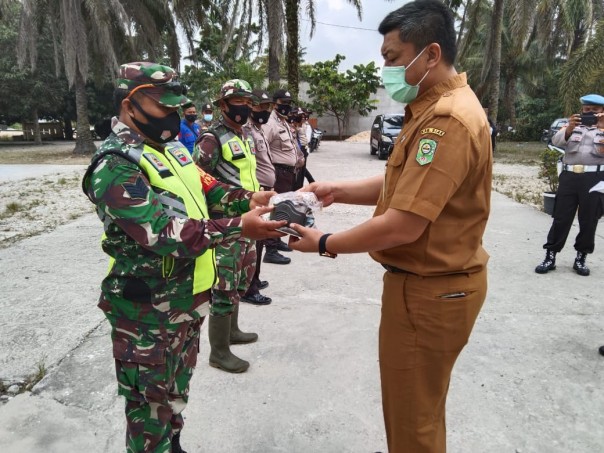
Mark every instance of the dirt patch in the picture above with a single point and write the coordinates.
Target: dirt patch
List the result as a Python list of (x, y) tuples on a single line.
[(58, 153), (361, 137)]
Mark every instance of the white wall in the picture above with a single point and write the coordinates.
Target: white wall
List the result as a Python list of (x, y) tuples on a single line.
[(357, 123)]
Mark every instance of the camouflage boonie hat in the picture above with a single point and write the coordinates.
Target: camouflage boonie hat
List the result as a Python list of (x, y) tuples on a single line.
[(261, 97), (166, 89), (234, 87)]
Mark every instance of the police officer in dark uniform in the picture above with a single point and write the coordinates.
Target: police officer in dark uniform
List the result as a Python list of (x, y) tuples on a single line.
[(583, 168)]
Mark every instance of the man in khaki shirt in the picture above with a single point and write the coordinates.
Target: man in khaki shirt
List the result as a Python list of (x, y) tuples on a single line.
[(286, 157), (432, 207)]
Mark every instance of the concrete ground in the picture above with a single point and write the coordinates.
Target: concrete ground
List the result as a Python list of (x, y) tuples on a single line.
[(530, 379)]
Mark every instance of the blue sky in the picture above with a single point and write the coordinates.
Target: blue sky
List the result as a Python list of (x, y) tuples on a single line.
[(358, 46)]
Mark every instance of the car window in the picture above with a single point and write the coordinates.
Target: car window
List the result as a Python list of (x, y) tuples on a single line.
[(393, 122)]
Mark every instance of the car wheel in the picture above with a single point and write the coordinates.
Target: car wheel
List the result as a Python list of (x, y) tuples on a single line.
[(372, 150)]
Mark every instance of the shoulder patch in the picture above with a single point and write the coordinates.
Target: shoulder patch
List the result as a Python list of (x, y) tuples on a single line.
[(432, 130), (138, 190), (426, 150), (236, 150), (158, 165)]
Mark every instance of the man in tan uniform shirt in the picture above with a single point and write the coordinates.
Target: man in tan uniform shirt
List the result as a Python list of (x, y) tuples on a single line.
[(432, 208)]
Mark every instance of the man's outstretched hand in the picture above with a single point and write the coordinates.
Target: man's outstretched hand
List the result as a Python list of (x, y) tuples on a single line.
[(255, 227), (261, 198), (309, 242)]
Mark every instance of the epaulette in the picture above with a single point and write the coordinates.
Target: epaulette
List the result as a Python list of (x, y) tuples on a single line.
[(444, 106)]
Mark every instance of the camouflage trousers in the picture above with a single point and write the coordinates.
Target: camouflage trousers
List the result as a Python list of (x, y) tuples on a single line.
[(236, 265), (154, 365)]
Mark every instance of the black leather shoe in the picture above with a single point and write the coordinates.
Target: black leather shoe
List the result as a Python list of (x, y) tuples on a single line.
[(275, 257), (262, 284), (256, 299), (601, 350), (283, 247)]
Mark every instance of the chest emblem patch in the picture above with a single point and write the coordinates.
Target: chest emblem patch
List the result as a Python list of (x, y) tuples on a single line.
[(236, 150), (182, 157), (426, 151)]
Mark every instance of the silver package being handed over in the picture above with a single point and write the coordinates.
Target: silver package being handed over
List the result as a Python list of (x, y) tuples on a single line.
[(295, 207)]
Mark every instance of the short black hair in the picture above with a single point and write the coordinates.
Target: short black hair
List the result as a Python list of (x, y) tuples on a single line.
[(188, 105), (423, 22)]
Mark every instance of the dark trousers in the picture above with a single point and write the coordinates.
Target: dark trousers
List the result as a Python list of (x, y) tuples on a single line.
[(284, 182), (573, 193), (303, 172), (254, 289)]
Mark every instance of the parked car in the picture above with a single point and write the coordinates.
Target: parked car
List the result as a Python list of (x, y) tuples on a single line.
[(384, 130), (558, 124)]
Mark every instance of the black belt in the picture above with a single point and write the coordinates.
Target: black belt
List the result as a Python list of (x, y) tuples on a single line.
[(289, 168), (395, 270)]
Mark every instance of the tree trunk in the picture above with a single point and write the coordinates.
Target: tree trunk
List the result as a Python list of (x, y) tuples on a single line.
[(510, 98), (36, 123), (292, 48), (67, 129), (84, 143), (275, 33), (495, 53)]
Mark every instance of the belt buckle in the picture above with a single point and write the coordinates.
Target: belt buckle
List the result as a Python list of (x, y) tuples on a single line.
[(578, 168)]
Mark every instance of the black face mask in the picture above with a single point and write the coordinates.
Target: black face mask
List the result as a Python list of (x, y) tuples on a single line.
[(238, 113), (283, 109), (191, 118), (261, 117), (159, 130)]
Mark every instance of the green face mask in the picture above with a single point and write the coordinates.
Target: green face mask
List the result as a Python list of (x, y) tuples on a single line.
[(396, 84)]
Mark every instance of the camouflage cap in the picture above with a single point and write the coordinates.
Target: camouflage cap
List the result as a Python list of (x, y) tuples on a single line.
[(261, 97), (234, 88), (164, 86)]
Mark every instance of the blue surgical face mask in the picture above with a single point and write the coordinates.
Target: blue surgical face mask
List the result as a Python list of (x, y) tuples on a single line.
[(207, 117), (396, 84)]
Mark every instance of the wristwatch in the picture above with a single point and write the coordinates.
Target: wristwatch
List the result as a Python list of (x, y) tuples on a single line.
[(322, 250)]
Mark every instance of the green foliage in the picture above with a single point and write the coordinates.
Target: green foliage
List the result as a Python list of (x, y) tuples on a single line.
[(24, 92), (548, 170), (339, 94)]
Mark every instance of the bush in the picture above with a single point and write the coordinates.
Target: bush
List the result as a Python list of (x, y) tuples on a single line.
[(548, 170)]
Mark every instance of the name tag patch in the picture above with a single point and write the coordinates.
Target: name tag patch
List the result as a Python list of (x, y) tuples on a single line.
[(432, 130), (426, 150), (161, 168)]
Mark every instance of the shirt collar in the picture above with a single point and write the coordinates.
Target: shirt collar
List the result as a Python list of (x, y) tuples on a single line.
[(125, 133), (420, 104)]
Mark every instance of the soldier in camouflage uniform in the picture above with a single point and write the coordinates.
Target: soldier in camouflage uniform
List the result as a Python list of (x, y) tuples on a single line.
[(153, 202), (228, 154)]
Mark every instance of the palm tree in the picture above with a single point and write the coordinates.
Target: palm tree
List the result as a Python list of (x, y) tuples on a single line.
[(89, 35), (292, 8)]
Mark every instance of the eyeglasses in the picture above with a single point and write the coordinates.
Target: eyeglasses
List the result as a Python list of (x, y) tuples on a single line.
[(179, 89)]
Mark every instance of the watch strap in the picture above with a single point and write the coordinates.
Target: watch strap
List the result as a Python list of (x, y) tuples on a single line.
[(323, 249)]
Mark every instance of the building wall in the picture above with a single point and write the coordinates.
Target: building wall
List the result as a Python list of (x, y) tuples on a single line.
[(357, 123)]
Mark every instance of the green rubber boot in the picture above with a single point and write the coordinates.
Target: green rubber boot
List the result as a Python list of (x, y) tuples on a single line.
[(237, 336), (219, 332)]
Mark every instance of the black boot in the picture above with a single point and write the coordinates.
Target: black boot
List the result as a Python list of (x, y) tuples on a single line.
[(274, 257), (237, 336), (579, 266), (256, 299), (219, 332), (548, 264), (282, 246), (176, 448)]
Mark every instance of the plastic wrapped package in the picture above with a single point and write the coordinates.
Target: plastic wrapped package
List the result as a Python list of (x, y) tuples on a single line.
[(295, 207)]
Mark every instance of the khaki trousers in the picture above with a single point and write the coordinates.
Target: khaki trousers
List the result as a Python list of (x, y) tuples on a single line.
[(426, 322)]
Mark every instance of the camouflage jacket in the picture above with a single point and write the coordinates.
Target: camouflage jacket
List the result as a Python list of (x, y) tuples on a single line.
[(153, 252)]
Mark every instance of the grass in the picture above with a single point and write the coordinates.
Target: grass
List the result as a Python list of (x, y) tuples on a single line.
[(523, 153)]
